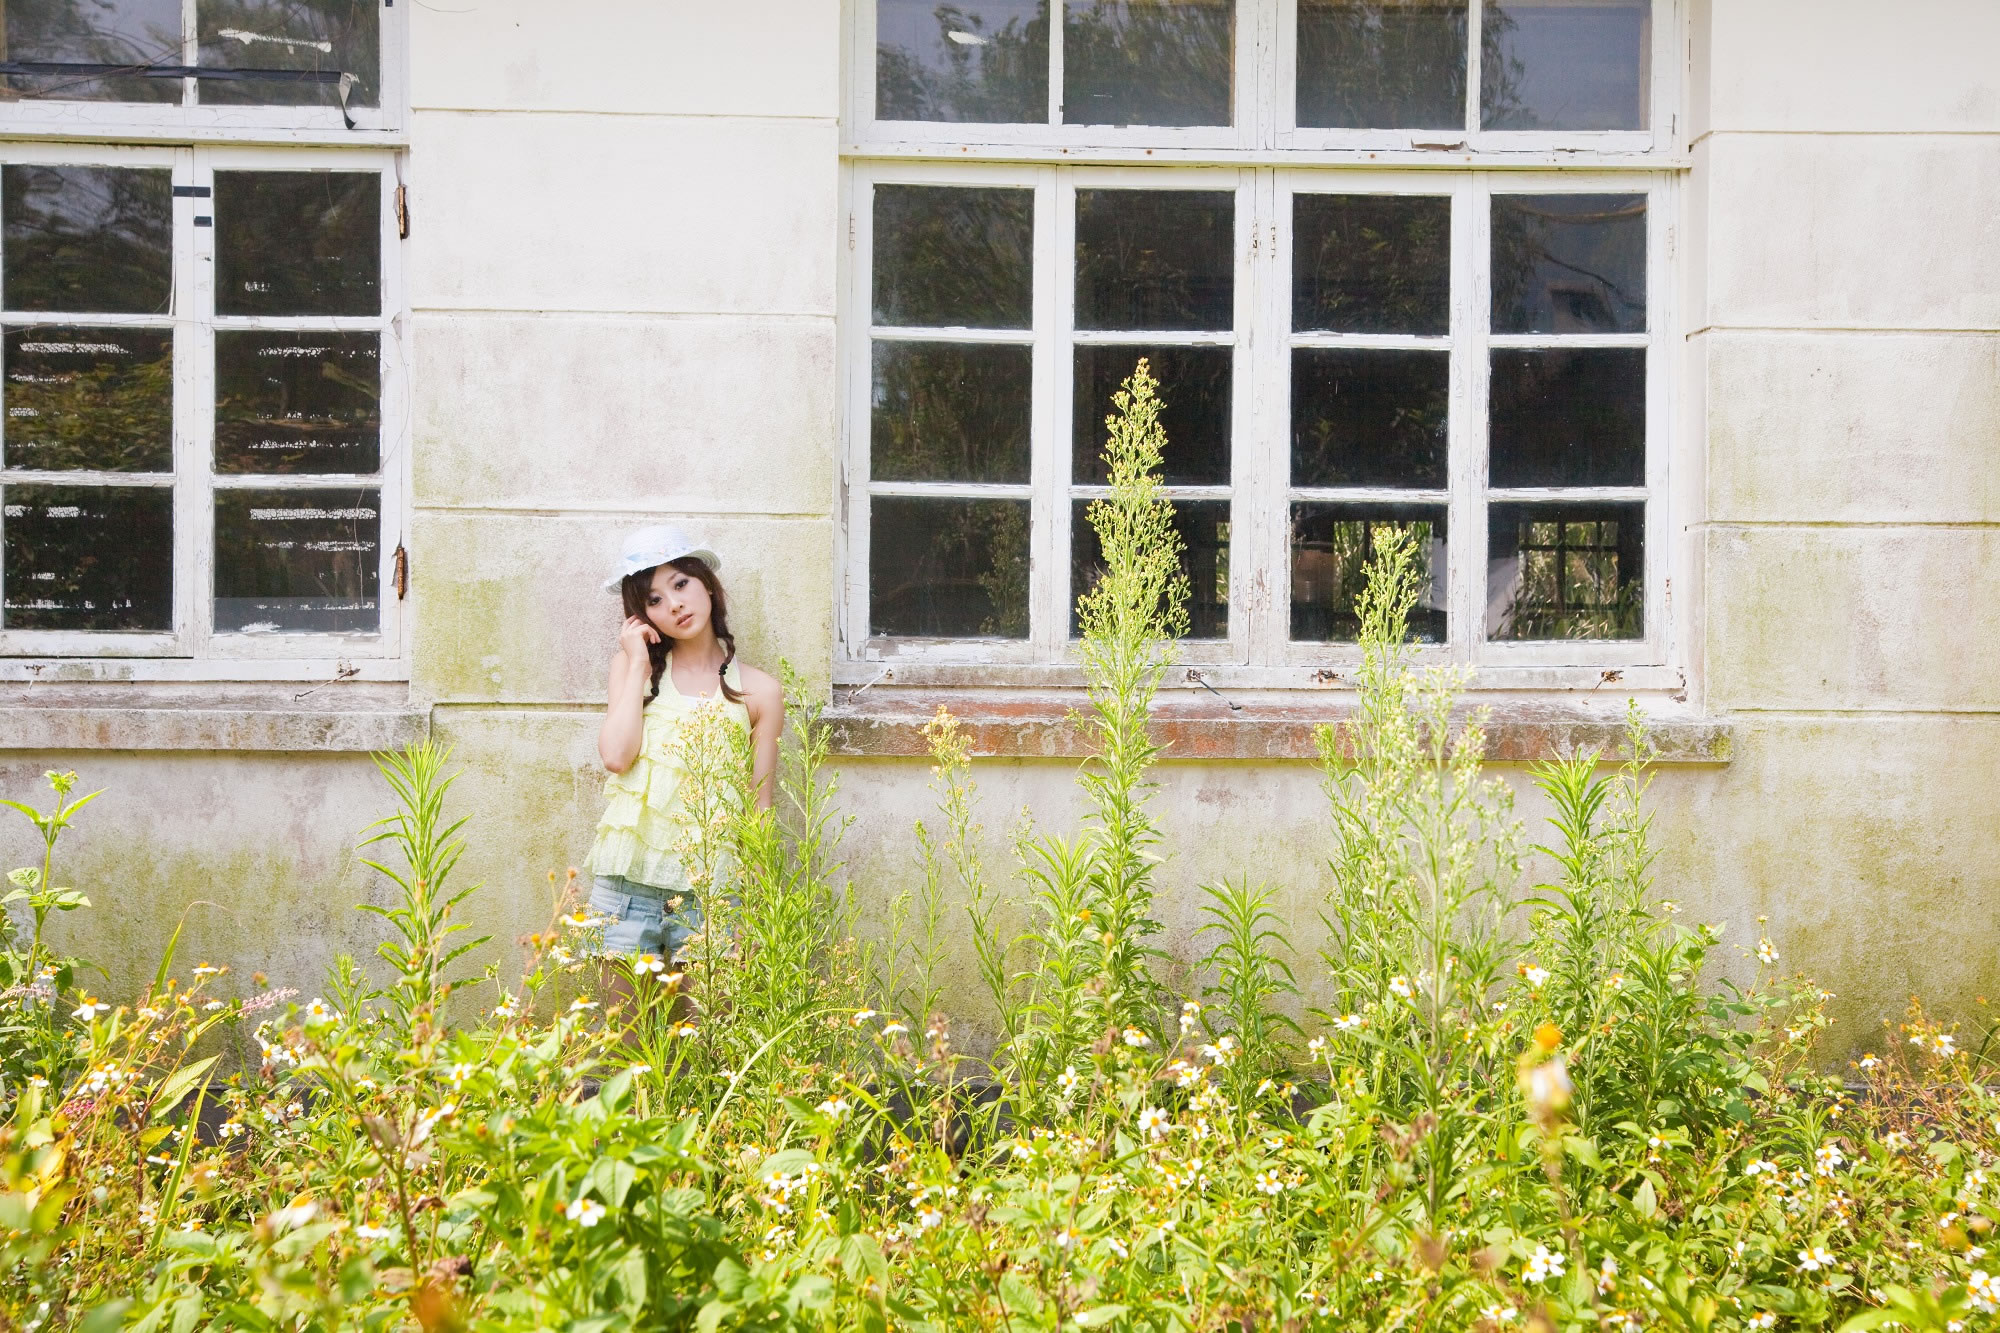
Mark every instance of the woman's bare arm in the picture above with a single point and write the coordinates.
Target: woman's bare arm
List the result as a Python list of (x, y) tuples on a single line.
[(765, 700), (624, 726)]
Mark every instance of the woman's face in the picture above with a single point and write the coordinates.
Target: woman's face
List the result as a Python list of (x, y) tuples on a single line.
[(678, 604)]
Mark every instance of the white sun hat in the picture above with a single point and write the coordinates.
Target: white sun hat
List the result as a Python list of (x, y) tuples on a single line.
[(650, 547)]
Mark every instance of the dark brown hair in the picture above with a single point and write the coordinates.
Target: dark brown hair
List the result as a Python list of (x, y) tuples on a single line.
[(637, 587)]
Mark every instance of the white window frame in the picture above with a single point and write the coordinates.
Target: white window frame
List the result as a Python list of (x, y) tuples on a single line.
[(1268, 159), (187, 121), (194, 649), (1264, 114)]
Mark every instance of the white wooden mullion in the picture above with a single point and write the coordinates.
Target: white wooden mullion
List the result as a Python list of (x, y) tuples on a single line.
[(190, 51), (194, 412), (1058, 21), (1475, 39), (1260, 567), (1143, 338), (1062, 404), (1048, 433), (883, 333), (1568, 341), (859, 368), (952, 490), (1387, 342), (1471, 317), (1660, 425)]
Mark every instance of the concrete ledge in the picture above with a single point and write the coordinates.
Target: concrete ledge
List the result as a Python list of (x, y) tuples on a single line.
[(1041, 727), (344, 718)]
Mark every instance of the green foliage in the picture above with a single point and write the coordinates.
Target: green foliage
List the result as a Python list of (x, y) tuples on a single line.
[(1523, 1107)]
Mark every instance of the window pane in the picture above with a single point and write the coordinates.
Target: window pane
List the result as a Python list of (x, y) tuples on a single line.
[(298, 561), (950, 412), (1366, 417), (98, 398), (95, 240), (1331, 547), (93, 32), (1204, 529), (1155, 259), (1371, 263), (88, 557), (1569, 418), (1194, 412), (298, 242), (1382, 64), (1565, 64), (1566, 571), (1148, 62), (332, 36), (297, 402), (947, 257), (984, 60), (1569, 263), (953, 569)]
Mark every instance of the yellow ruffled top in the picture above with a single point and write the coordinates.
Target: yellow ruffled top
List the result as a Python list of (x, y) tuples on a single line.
[(642, 808)]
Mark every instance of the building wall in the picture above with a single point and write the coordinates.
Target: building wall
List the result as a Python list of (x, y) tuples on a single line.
[(627, 232)]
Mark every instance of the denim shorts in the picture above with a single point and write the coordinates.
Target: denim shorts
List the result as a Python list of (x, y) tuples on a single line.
[(641, 921)]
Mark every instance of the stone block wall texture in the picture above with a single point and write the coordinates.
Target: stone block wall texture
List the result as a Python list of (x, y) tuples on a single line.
[(623, 268)]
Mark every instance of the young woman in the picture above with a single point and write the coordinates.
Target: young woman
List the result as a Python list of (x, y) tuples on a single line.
[(675, 654)]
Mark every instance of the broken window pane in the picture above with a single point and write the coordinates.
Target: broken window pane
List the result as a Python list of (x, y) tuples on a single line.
[(949, 257), (90, 398), (1203, 526), (948, 568), (1195, 410), (298, 561), (327, 36), (1332, 545), (95, 240), (297, 402), (1155, 259), (1382, 64), (1370, 417), (1371, 263), (1566, 571), (91, 32), (1565, 64), (950, 412), (981, 60), (298, 243), (1564, 417), (87, 557), (1148, 62), (1569, 263)]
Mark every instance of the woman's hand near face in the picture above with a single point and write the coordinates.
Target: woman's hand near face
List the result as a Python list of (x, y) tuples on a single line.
[(624, 718), (634, 636)]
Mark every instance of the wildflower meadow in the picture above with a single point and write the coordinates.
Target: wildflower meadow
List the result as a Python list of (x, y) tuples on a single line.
[(1522, 1105)]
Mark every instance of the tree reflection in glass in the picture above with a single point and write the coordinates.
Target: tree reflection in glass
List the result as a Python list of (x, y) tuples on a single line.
[(1566, 571), (1382, 64), (97, 398), (985, 61), (1331, 547), (1569, 263), (954, 256), (135, 33), (336, 36), (95, 240), (1565, 64), (1204, 528), (948, 568), (1149, 62)]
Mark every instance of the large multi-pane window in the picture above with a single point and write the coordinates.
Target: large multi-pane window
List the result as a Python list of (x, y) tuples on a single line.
[(1351, 336), (201, 377)]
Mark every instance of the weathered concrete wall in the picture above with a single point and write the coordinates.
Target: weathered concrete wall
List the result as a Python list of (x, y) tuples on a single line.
[(623, 270)]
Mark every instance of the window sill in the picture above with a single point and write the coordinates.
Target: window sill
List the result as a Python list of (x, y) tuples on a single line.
[(347, 718), (1039, 726)]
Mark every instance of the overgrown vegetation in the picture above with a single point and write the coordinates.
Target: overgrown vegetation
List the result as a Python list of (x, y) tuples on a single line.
[(1525, 1105)]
